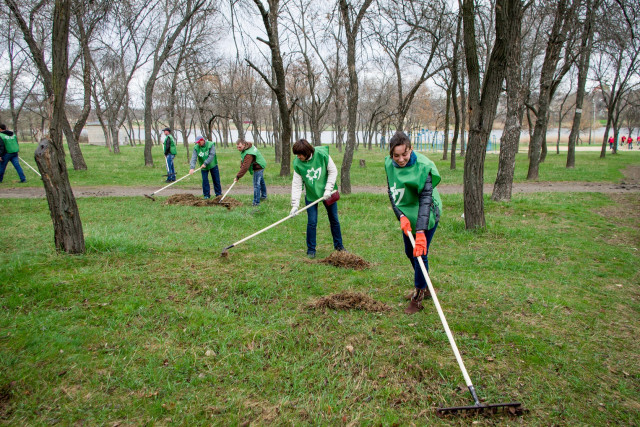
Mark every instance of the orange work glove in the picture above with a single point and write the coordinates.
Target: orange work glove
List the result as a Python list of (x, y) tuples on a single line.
[(405, 224), (421, 244)]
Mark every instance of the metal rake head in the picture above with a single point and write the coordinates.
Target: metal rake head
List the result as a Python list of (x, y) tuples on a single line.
[(511, 408)]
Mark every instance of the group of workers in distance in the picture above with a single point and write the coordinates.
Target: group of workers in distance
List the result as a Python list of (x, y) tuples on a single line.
[(411, 185), (625, 140)]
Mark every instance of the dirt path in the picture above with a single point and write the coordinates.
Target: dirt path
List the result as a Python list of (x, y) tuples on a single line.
[(630, 184)]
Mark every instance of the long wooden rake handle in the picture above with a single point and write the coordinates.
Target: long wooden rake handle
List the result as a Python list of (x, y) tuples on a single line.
[(224, 251), (226, 192), (30, 167), (443, 319), (174, 182)]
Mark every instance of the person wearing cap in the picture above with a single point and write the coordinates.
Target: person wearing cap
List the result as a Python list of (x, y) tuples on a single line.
[(205, 153), (411, 183), (170, 151), (9, 152), (252, 161)]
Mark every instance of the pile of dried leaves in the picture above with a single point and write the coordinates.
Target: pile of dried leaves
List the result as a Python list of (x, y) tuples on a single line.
[(191, 200), (345, 259), (350, 301)]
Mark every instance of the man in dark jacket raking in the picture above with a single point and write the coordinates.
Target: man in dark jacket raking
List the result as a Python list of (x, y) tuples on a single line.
[(252, 161), (170, 151), (9, 152)]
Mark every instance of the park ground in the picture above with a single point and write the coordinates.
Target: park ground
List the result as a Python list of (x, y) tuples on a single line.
[(152, 326)]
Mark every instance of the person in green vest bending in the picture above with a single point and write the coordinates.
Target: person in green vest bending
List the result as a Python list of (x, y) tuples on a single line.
[(411, 182), (205, 153), (170, 151), (9, 152), (252, 161), (314, 167)]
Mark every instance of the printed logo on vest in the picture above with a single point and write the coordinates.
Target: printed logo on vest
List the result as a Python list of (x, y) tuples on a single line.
[(313, 174), (395, 191)]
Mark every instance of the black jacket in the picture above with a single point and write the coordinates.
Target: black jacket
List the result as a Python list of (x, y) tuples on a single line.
[(425, 205), (3, 149)]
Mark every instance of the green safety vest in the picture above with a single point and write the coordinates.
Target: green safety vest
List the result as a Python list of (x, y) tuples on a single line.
[(259, 159), (172, 149), (314, 172), (407, 183), (203, 154), (10, 143)]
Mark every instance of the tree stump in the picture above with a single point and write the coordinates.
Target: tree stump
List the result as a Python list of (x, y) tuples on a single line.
[(362, 163), (67, 227)]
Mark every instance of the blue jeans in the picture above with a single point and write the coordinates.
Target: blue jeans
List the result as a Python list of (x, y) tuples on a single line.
[(312, 224), (171, 172), (418, 278), (259, 187), (215, 177), (13, 158)]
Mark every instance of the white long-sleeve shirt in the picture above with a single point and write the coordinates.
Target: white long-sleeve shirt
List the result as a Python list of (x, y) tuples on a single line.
[(297, 184)]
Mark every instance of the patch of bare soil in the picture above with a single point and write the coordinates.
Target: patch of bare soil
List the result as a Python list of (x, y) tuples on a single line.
[(184, 199), (345, 259), (631, 179), (625, 211), (350, 301)]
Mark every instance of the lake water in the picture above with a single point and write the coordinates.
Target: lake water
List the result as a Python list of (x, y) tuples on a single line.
[(329, 137)]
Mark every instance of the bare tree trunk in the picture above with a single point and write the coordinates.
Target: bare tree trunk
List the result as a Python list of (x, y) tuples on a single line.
[(49, 155), (337, 129), (483, 104), (445, 145), (86, 77), (454, 92), (463, 109), (351, 31), (115, 138), (557, 40), (583, 69), (277, 85), (276, 128), (509, 141), (162, 52)]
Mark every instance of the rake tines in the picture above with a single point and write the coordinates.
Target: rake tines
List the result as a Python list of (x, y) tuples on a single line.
[(511, 408)]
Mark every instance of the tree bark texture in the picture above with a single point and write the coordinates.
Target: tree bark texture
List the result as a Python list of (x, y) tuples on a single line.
[(68, 234), (556, 41), (67, 227), (47, 80), (463, 111), (275, 123), (454, 91), (351, 31), (483, 102), (445, 145), (583, 70), (509, 141), (278, 83)]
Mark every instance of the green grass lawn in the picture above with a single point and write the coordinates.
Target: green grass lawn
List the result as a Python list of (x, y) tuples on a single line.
[(152, 326), (127, 168)]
